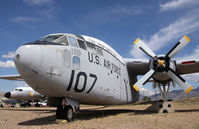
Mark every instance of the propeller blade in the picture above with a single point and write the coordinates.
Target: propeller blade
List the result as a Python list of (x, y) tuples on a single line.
[(181, 44), (140, 44), (179, 80), (143, 80), (174, 84)]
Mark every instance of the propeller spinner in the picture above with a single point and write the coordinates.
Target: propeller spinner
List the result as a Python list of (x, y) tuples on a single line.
[(162, 64)]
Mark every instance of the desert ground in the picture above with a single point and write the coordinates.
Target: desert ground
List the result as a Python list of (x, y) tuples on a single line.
[(102, 117)]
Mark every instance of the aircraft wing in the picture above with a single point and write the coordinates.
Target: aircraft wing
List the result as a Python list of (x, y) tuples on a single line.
[(12, 77), (141, 66), (187, 66), (137, 66)]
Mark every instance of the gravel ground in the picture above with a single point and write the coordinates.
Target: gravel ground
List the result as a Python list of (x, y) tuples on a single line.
[(100, 117)]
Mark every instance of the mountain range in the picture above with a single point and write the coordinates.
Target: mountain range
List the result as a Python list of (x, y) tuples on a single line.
[(178, 94)]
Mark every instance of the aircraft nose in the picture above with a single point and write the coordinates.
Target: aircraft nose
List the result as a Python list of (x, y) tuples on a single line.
[(27, 59), (7, 95)]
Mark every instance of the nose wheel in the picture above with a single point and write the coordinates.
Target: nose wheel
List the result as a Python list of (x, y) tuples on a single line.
[(68, 113), (65, 112)]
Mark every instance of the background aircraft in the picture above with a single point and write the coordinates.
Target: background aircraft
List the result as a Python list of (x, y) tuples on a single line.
[(24, 95), (76, 69)]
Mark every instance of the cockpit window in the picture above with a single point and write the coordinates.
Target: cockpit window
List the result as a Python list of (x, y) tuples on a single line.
[(61, 40), (18, 90), (99, 51), (90, 46), (50, 38), (81, 44), (72, 41)]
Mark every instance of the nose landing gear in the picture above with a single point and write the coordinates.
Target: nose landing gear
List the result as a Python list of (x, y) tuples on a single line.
[(65, 113)]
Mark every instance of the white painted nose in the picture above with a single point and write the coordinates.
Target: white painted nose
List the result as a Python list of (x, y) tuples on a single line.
[(28, 59)]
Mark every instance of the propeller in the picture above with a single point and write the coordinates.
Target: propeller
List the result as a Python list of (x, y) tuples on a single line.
[(162, 64)]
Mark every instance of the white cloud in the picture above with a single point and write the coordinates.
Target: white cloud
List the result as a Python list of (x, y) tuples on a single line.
[(111, 13), (38, 2), (193, 56), (184, 25), (128, 10), (49, 13), (9, 55), (25, 21), (21, 19), (176, 4), (146, 92), (192, 77), (7, 64)]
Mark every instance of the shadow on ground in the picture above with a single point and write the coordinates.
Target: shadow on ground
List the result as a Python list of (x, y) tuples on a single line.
[(39, 121), (29, 109), (187, 110), (88, 114)]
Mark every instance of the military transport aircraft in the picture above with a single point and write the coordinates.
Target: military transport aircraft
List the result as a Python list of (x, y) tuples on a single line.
[(26, 94), (76, 69)]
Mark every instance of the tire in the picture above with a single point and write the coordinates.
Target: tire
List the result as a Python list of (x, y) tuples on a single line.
[(77, 109), (68, 113), (37, 105), (59, 112)]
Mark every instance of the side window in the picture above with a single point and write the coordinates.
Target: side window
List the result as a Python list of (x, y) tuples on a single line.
[(76, 62), (90, 46), (67, 58), (81, 44), (72, 41), (99, 51)]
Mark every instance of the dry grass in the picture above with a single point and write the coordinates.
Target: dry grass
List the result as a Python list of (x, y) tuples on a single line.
[(100, 117)]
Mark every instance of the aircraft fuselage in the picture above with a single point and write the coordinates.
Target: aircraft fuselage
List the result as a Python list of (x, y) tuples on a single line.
[(84, 75)]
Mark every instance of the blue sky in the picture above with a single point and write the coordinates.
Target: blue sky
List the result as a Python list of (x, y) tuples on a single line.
[(117, 22)]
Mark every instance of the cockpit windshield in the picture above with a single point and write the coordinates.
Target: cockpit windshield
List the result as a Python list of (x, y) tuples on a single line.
[(18, 90), (60, 39), (50, 38)]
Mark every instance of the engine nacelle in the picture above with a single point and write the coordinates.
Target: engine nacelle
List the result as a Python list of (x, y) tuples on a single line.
[(162, 68)]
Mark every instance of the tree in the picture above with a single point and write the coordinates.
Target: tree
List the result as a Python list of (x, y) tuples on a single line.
[(146, 98)]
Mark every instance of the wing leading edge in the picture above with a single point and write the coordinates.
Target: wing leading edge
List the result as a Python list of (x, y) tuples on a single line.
[(12, 77), (137, 66), (141, 66), (187, 66)]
